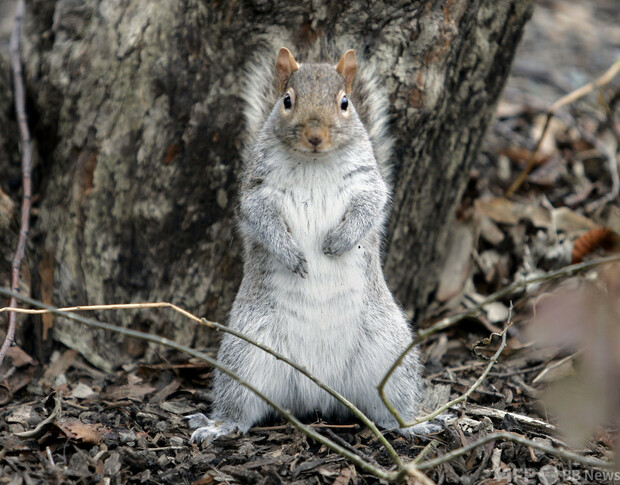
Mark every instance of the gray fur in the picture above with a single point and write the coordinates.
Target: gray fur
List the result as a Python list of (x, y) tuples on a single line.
[(313, 288)]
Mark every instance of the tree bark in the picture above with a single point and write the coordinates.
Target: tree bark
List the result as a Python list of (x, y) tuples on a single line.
[(10, 178), (139, 126)]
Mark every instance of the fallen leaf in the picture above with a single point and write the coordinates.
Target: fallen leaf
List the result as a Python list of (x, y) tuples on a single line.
[(87, 433), (133, 392), (499, 209), (82, 391), (565, 220), (457, 265)]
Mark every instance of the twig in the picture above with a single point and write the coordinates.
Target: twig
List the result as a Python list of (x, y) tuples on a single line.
[(475, 386), (531, 424), (352, 457), (218, 326), (517, 438), (424, 452), (20, 110), (48, 452), (349, 446), (37, 430), (563, 101), (449, 321)]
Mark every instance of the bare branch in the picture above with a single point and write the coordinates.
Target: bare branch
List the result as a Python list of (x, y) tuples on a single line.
[(219, 327), (379, 472), (563, 101), (449, 321), (26, 142), (517, 438)]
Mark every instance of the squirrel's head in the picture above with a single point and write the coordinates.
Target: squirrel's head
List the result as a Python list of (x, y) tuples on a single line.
[(314, 110)]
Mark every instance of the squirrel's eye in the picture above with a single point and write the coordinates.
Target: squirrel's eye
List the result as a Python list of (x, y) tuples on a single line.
[(287, 101), (344, 103)]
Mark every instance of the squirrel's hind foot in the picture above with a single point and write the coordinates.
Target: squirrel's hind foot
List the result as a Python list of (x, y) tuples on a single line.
[(208, 429), (427, 429)]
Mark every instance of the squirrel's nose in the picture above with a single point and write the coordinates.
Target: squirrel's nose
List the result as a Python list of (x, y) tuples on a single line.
[(315, 140), (314, 136)]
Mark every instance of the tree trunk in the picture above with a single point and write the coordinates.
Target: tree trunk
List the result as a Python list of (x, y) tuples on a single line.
[(139, 125)]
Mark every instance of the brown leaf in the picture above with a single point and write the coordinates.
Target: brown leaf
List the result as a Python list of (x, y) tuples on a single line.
[(18, 357), (87, 433), (499, 209), (458, 262), (565, 220), (345, 476), (133, 392), (16, 373)]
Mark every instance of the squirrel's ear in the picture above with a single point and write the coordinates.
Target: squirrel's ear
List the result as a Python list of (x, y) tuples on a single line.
[(347, 67), (285, 66)]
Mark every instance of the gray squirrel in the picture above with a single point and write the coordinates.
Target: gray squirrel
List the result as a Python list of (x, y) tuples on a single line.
[(313, 202)]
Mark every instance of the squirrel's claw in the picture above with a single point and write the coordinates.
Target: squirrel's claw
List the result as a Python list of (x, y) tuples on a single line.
[(301, 267), (208, 429)]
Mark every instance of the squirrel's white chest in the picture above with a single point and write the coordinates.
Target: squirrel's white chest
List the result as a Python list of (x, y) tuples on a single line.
[(310, 212), (313, 203)]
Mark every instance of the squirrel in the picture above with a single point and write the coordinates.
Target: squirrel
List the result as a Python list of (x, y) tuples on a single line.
[(313, 203)]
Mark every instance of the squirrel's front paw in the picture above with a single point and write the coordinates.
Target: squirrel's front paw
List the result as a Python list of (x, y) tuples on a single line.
[(297, 264), (301, 268), (334, 245)]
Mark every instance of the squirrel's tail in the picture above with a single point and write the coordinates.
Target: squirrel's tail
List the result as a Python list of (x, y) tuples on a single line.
[(368, 95)]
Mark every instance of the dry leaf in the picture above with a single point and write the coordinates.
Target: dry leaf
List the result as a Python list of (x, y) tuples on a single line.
[(87, 433), (499, 209), (565, 220), (81, 391), (133, 392), (457, 265), (522, 155), (16, 373)]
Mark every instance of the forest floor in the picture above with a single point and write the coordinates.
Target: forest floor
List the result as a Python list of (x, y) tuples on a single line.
[(128, 427)]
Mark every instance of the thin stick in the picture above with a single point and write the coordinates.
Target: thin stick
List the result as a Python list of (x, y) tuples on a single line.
[(475, 386), (449, 321), (356, 411), (26, 141), (563, 101), (352, 457), (517, 438), (36, 432), (218, 326), (424, 452)]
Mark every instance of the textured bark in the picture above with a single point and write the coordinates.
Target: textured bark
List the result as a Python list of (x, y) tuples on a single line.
[(10, 177), (140, 127)]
